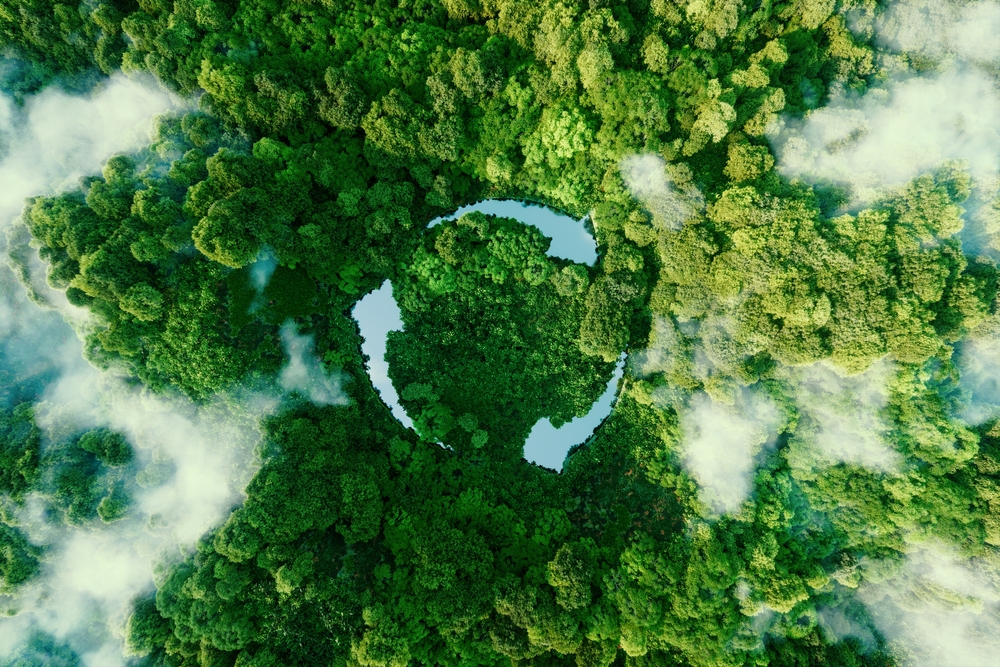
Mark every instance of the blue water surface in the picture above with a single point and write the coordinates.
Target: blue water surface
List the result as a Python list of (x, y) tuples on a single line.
[(547, 446), (570, 239), (377, 314)]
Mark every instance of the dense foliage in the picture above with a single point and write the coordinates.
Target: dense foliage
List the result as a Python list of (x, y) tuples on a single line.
[(329, 134), (481, 294)]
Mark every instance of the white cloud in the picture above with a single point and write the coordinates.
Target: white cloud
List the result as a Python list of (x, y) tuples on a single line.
[(975, 35), (647, 179), (949, 109), (209, 445), (91, 573), (891, 135), (35, 344), (720, 442), (206, 451), (305, 374), (840, 417), (98, 569), (938, 609), (941, 29), (837, 625), (262, 270), (979, 370), (46, 147), (58, 138), (661, 356)]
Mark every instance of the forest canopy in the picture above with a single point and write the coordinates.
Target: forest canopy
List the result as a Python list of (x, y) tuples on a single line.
[(804, 455)]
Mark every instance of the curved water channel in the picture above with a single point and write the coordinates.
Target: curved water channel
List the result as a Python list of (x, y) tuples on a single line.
[(377, 314)]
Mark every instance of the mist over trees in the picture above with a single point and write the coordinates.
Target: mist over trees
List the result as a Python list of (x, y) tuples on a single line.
[(79, 480), (791, 475)]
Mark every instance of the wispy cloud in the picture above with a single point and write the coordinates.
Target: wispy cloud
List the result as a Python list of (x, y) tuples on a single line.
[(840, 416), (949, 109), (57, 138), (36, 346), (720, 443), (661, 355), (979, 372), (941, 29), (305, 373), (262, 270), (204, 457), (938, 609), (204, 452), (648, 180), (892, 134)]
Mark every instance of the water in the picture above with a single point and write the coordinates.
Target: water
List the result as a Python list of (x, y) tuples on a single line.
[(377, 314), (547, 446), (570, 239)]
